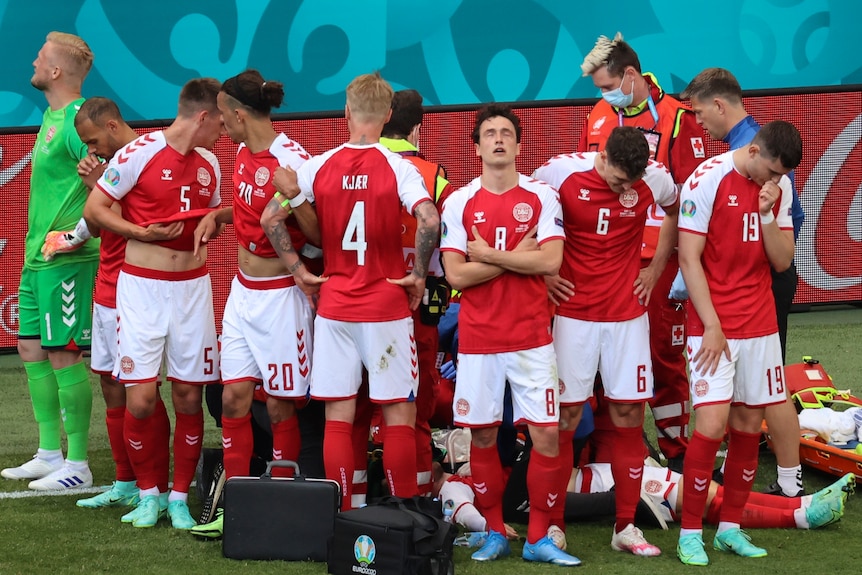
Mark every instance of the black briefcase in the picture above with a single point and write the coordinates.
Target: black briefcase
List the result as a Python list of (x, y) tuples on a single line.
[(279, 518)]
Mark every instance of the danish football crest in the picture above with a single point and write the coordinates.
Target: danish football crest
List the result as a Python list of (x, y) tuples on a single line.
[(522, 212), (204, 178), (629, 199), (261, 176)]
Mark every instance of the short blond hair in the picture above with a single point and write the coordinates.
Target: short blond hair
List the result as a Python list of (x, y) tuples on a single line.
[(369, 97), (76, 54), (616, 54)]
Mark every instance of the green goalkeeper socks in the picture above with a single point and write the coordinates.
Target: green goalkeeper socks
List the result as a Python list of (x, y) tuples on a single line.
[(76, 401), (46, 403)]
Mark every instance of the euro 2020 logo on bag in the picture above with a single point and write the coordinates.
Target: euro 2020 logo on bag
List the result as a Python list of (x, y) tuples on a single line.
[(364, 550)]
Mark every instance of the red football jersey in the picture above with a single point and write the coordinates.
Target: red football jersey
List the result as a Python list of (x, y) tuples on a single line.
[(721, 204), (359, 192), (604, 234), (509, 312), (253, 189), (112, 254), (153, 182)]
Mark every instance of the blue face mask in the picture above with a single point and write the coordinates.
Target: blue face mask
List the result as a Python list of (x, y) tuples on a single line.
[(617, 98)]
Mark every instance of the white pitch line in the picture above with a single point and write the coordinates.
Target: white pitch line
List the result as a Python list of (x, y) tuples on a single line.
[(53, 492), (56, 492)]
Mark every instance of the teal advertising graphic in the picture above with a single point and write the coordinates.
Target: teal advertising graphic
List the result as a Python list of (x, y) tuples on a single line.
[(452, 51)]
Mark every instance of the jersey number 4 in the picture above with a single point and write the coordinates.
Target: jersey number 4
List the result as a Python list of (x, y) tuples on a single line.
[(353, 239)]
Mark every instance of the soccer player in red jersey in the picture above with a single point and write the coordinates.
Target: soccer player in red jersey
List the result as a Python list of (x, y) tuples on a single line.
[(266, 329), (364, 311), (501, 233), (164, 181), (735, 222), (603, 326), (631, 97), (102, 128)]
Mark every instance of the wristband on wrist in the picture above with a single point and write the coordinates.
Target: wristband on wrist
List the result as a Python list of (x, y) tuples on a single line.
[(82, 232), (767, 219), (297, 201), (282, 201)]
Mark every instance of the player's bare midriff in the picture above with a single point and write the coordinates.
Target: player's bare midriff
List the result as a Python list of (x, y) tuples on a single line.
[(156, 257), (253, 265)]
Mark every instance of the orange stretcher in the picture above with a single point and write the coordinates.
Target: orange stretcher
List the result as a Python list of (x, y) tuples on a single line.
[(811, 387)]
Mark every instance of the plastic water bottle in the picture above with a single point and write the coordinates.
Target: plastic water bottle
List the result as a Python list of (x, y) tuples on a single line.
[(448, 510)]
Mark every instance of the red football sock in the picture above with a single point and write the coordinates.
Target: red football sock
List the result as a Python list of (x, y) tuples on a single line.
[(776, 501), (338, 457), (714, 509), (143, 446), (237, 442), (188, 438), (399, 460), (566, 461), (114, 421), (627, 466), (697, 475), (543, 487), (488, 485), (762, 517), (286, 444), (162, 462), (740, 468), (424, 455), (361, 431)]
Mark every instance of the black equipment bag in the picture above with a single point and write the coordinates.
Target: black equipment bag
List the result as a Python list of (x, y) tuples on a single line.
[(393, 536), (279, 518)]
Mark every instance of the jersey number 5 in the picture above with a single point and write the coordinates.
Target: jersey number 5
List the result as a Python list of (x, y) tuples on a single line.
[(185, 200), (354, 235)]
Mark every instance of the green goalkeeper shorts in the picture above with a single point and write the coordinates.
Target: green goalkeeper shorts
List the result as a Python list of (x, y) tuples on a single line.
[(55, 304)]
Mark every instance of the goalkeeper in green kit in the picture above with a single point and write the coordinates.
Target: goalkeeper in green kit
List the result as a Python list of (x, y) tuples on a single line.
[(60, 262)]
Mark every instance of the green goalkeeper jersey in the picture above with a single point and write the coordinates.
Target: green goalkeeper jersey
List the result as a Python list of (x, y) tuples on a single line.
[(57, 193)]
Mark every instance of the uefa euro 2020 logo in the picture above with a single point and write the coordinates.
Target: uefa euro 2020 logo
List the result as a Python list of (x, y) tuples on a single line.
[(364, 551)]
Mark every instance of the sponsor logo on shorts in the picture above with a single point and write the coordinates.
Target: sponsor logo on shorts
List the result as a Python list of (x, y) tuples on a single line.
[(462, 407), (688, 208), (261, 176), (522, 212), (562, 387), (701, 387), (652, 486), (204, 178), (112, 176), (629, 199), (127, 364)]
